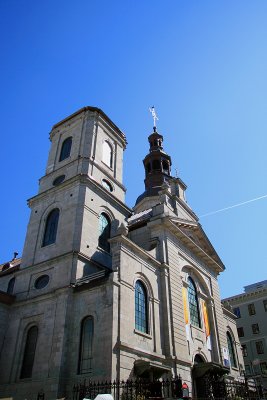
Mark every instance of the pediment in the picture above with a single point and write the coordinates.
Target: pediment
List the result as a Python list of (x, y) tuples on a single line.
[(193, 236)]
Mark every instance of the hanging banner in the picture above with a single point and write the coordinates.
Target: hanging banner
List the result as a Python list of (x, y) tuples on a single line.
[(186, 315), (206, 323), (226, 361)]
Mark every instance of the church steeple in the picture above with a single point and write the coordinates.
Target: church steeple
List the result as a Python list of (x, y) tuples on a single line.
[(157, 164)]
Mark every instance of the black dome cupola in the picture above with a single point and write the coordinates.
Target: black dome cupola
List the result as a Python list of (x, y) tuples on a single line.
[(157, 164)]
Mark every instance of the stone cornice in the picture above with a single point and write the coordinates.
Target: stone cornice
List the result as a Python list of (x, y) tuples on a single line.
[(218, 267), (133, 246), (100, 113), (141, 352), (103, 170), (80, 178), (257, 294), (229, 313)]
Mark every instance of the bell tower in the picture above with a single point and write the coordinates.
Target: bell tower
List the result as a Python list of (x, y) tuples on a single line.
[(82, 188), (157, 164), (158, 179)]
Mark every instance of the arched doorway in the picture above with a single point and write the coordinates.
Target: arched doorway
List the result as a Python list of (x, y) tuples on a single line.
[(196, 380), (207, 378)]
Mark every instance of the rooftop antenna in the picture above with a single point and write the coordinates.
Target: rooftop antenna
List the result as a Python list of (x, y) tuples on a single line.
[(154, 116)]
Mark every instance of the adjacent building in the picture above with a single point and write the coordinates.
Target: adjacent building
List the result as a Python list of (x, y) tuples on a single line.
[(106, 292), (250, 309)]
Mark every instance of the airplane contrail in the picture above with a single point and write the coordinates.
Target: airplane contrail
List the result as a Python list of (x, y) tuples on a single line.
[(236, 205)]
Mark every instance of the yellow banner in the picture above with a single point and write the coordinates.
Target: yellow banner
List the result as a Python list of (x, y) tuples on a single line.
[(186, 315), (206, 319)]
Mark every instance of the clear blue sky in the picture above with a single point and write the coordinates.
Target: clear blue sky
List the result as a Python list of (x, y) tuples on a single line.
[(203, 64)]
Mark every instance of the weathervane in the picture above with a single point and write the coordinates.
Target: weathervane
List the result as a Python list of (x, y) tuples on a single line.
[(154, 116)]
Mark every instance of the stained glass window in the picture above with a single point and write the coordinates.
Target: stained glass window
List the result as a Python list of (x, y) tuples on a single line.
[(193, 303), (104, 232), (65, 149), (141, 320), (86, 345), (51, 227), (29, 353), (231, 350)]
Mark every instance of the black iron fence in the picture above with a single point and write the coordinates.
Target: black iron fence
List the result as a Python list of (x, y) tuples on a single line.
[(169, 388), (130, 389), (230, 390)]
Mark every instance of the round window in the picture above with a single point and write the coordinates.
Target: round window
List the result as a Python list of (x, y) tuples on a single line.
[(41, 282), (59, 180), (107, 185)]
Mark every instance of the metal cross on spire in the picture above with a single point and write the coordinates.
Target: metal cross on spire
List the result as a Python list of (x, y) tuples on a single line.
[(154, 116)]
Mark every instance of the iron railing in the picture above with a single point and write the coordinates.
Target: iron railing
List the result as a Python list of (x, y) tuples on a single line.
[(130, 389), (170, 388)]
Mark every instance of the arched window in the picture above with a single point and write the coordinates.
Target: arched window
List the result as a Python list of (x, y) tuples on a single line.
[(141, 308), (86, 345), (29, 353), (65, 149), (231, 350), (104, 232), (50, 232), (10, 286), (107, 154), (165, 167), (198, 359), (193, 303)]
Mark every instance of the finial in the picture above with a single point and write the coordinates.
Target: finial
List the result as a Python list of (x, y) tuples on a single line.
[(176, 172), (154, 116)]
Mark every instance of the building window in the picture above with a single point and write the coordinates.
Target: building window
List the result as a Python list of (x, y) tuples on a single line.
[(107, 156), (65, 149), (58, 180), (141, 308), (251, 309), (51, 227), (41, 282), (10, 286), (86, 345), (193, 304), (107, 185), (29, 353), (231, 350), (240, 331), (264, 368), (259, 347), (104, 232), (255, 328), (236, 311), (165, 167), (244, 350), (265, 305)]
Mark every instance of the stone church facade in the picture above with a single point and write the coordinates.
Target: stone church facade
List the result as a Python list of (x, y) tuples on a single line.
[(106, 292)]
